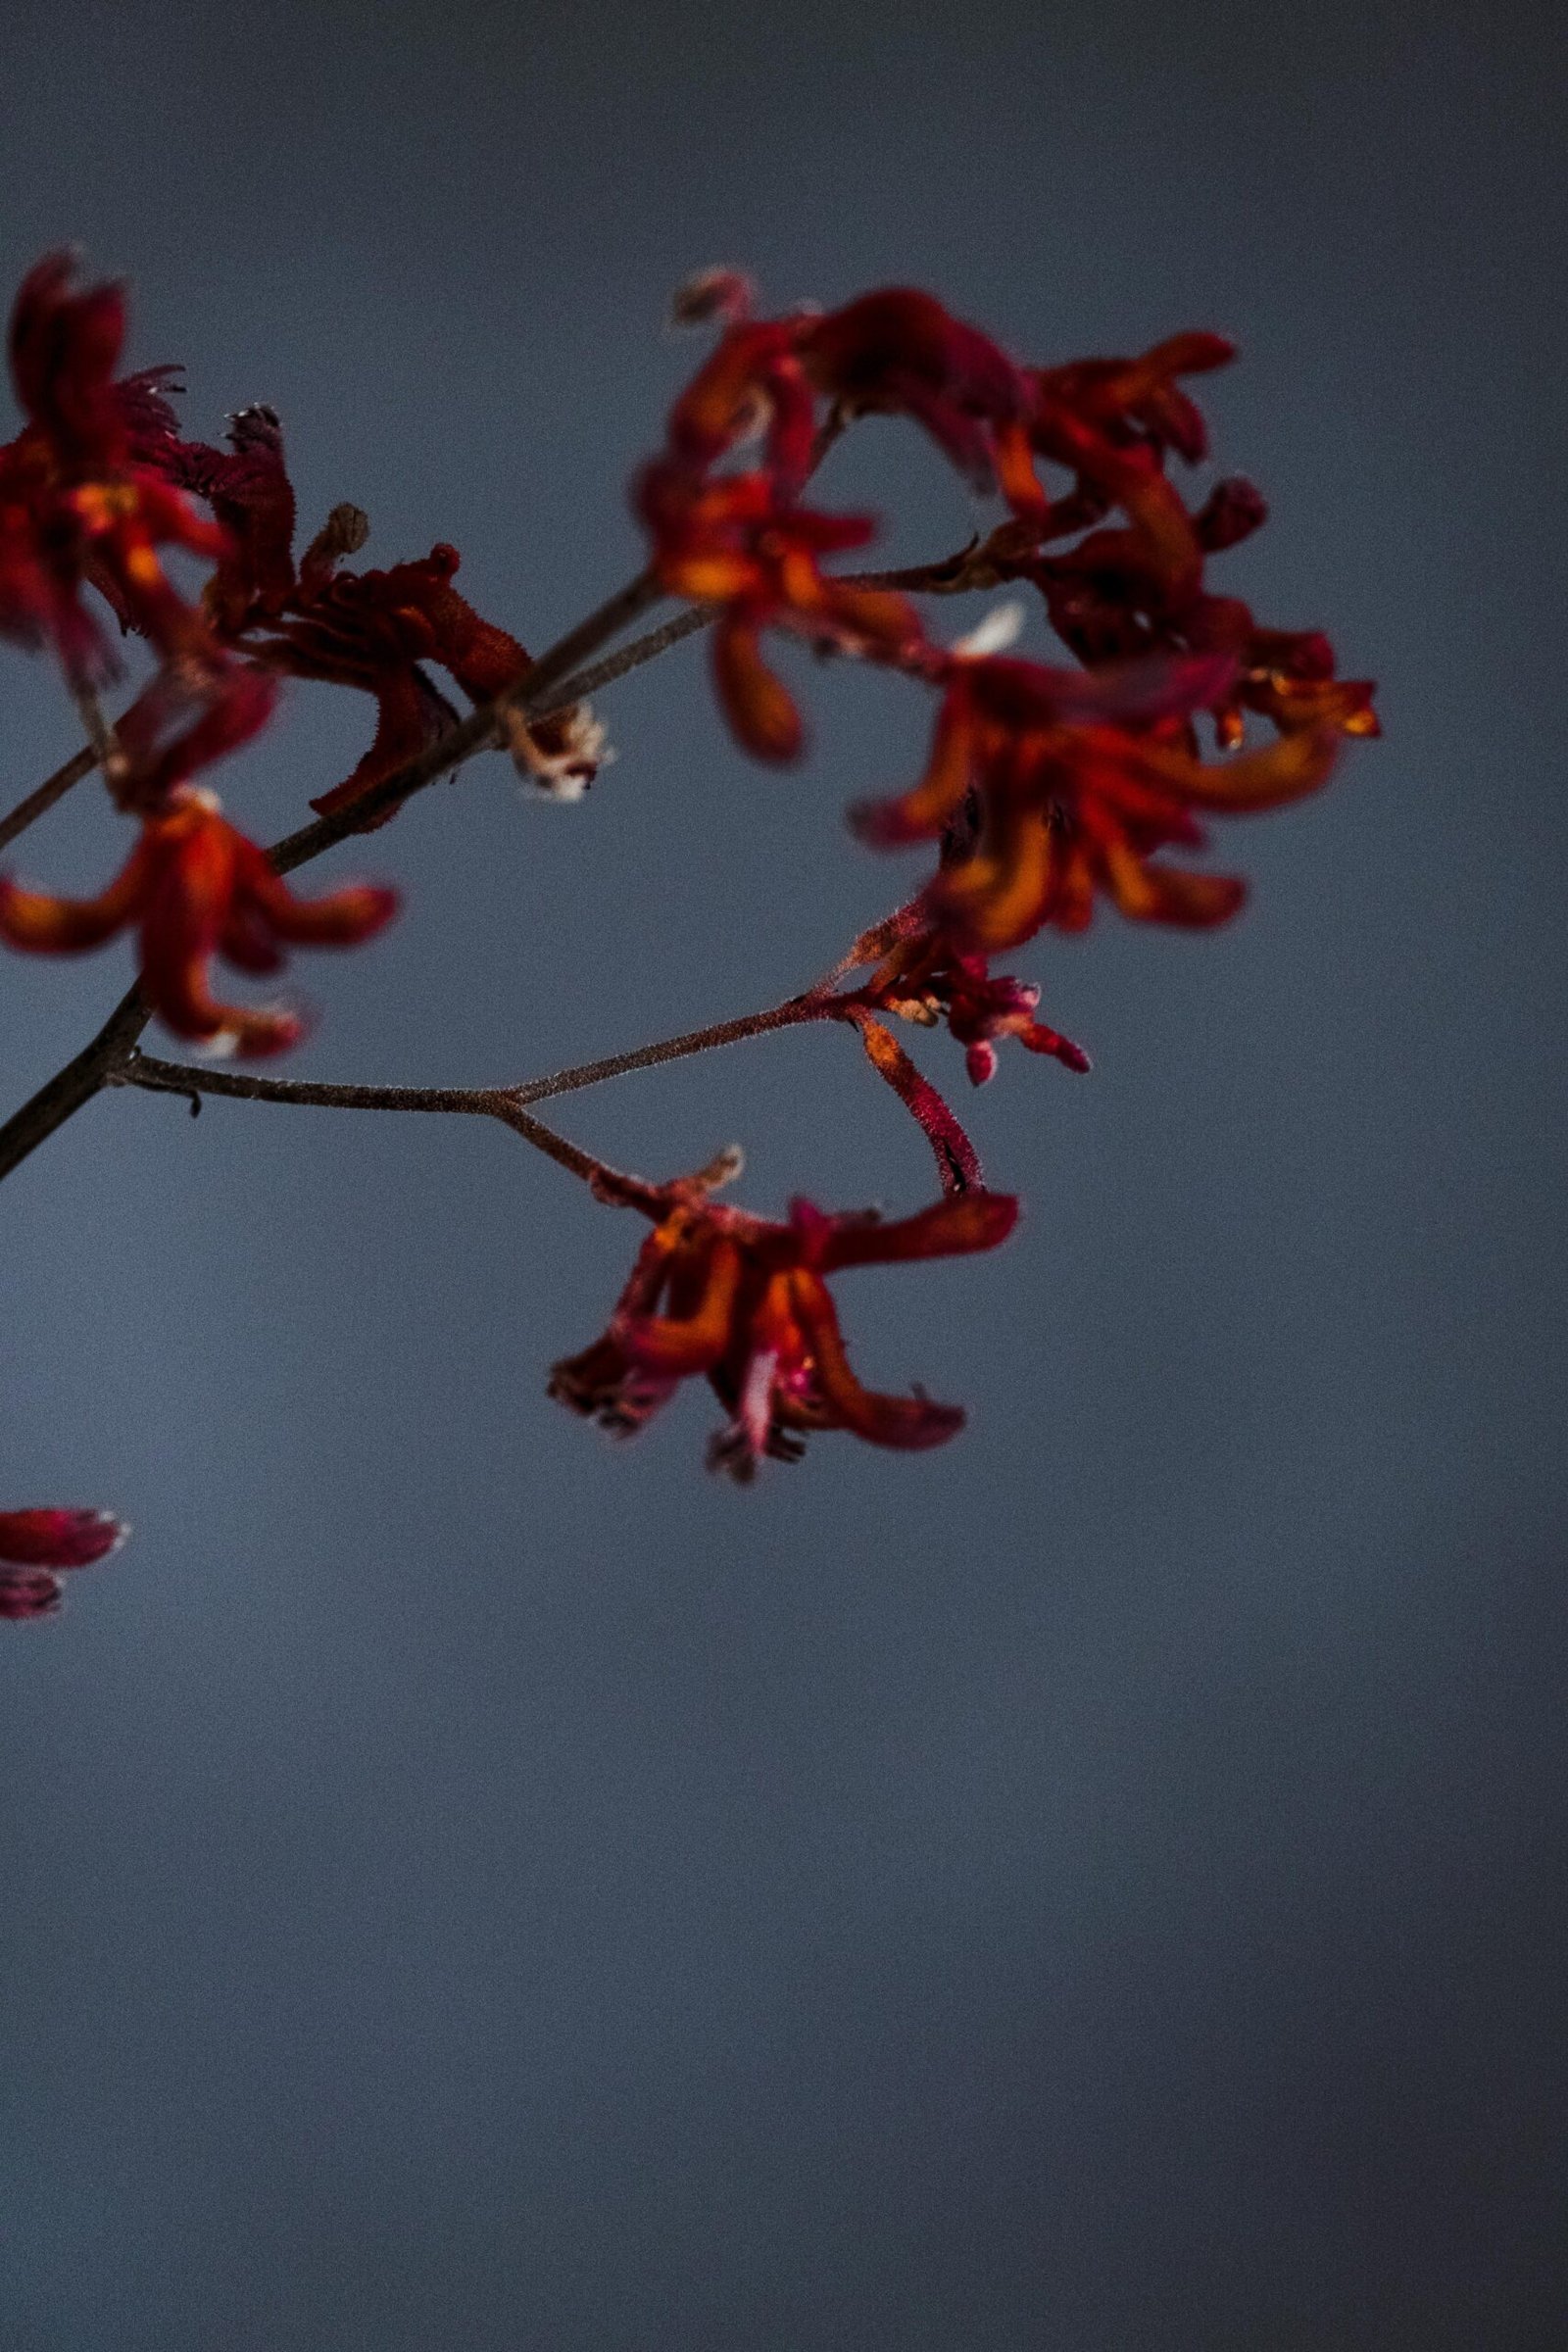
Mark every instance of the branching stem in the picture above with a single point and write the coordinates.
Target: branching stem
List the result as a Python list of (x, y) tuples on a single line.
[(508, 1104)]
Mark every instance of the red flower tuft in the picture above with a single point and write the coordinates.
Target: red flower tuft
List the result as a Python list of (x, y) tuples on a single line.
[(925, 974), (198, 889), (746, 1305), (76, 508), (898, 351), (1051, 785), (33, 1542), (735, 542)]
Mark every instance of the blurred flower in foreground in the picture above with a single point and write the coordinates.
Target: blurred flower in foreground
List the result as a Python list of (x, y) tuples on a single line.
[(33, 1544)]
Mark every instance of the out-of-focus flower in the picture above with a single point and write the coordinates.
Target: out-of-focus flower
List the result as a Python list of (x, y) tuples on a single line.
[(76, 508), (734, 543), (745, 1304), (897, 350), (1051, 785), (197, 887), (33, 1543)]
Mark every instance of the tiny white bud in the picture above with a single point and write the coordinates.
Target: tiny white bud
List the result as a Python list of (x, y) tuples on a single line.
[(1002, 626)]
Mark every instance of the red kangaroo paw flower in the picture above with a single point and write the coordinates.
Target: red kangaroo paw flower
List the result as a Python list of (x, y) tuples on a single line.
[(197, 887), (77, 509), (735, 542), (1051, 787), (899, 350), (374, 629), (744, 1303)]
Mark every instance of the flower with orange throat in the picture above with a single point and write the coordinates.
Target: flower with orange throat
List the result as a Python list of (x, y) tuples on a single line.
[(197, 887), (745, 1304), (34, 1543), (734, 542), (1048, 786)]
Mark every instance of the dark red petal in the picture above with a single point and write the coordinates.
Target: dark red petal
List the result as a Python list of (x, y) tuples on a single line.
[(969, 1221), (1169, 894), (58, 1539), (920, 814), (908, 1423), (42, 925), (678, 1345), (339, 918), (1039, 1039)]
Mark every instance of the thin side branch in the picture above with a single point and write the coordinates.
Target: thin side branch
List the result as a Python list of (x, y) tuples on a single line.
[(190, 1079), (789, 1015), (630, 657), (193, 1079), (52, 788), (91, 1070)]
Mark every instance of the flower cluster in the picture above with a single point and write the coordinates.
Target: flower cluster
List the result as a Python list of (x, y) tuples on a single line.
[(1047, 785), (1050, 785), (196, 889), (96, 484)]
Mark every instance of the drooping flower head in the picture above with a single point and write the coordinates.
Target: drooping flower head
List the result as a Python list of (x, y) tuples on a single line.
[(76, 508), (34, 1543), (745, 1304), (197, 887)]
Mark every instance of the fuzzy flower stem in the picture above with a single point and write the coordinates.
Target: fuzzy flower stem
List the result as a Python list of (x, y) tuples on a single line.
[(488, 1101), (508, 1104)]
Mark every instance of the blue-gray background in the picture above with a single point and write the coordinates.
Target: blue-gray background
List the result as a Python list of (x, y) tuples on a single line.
[(1090, 1888)]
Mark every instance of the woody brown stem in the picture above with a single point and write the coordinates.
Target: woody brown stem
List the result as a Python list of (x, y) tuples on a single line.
[(68, 1089), (495, 1102), (92, 1069)]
